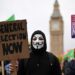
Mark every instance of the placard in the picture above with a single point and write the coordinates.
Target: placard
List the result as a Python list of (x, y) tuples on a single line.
[(13, 40), (73, 26)]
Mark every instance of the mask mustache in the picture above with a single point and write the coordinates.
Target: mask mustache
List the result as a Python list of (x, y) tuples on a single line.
[(38, 44)]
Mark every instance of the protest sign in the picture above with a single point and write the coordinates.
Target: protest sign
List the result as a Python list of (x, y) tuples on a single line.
[(13, 40)]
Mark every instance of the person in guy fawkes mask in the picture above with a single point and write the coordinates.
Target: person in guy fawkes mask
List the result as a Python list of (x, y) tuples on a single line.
[(38, 42), (40, 61)]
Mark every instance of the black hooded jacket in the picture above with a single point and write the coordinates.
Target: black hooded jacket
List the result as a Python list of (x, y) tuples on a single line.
[(40, 61)]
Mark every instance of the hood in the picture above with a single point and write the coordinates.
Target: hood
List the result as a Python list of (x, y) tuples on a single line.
[(44, 47)]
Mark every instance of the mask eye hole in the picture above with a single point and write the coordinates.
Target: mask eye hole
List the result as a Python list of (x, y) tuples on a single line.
[(40, 38), (34, 38)]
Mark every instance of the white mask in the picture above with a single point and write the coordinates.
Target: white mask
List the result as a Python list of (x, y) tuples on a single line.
[(38, 41)]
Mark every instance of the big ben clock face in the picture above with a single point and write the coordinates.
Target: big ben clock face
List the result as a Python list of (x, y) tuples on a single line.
[(55, 25)]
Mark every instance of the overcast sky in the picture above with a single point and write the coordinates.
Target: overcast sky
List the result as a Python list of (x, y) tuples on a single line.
[(38, 14)]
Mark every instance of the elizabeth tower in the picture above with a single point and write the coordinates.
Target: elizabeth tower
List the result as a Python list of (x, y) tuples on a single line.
[(56, 31)]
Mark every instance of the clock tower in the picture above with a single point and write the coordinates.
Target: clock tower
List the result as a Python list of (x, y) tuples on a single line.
[(56, 31)]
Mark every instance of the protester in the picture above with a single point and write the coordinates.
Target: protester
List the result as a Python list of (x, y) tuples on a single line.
[(65, 61), (40, 62), (70, 67)]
